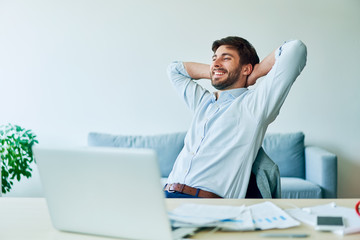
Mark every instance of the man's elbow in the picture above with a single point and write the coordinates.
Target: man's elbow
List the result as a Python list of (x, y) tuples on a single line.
[(297, 51), (172, 69)]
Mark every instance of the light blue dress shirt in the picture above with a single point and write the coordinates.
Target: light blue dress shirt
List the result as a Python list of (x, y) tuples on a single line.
[(226, 134)]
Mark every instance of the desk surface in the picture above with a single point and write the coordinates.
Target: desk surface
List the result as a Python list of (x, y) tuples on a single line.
[(28, 218)]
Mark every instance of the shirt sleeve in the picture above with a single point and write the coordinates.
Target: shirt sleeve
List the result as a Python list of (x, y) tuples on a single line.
[(190, 91), (270, 94)]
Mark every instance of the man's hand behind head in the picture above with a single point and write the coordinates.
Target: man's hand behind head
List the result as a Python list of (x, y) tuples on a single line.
[(251, 79)]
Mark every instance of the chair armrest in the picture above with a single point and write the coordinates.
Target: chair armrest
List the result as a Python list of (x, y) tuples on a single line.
[(321, 169)]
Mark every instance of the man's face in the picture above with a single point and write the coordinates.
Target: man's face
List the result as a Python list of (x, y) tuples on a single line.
[(225, 68)]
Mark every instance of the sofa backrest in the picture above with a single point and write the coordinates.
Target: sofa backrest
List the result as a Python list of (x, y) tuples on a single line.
[(287, 151), (167, 146)]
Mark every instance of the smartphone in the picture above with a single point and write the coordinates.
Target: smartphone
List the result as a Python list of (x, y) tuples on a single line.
[(327, 223)]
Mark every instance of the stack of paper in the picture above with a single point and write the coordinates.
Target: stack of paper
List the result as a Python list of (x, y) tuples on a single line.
[(267, 216), (231, 218), (309, 215)]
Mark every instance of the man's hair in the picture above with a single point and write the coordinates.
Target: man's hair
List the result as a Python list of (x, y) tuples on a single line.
[(245, 50)]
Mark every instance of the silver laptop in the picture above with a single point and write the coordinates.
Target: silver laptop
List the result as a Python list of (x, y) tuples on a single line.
[(105, 191)]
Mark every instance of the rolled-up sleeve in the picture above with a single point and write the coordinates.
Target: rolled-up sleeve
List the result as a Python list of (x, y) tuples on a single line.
[(187, 89)]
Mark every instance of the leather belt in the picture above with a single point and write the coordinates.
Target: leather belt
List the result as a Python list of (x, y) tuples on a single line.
[(182, 188)]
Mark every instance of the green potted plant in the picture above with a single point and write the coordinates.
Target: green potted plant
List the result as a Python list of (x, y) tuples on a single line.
[(16, 154)]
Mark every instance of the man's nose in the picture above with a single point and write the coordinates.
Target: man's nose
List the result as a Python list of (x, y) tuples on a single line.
[(217, 63)]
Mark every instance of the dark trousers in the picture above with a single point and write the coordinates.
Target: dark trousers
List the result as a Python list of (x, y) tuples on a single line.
[(178, 195)]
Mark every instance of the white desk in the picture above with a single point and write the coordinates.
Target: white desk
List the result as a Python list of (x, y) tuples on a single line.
[(28, 219)]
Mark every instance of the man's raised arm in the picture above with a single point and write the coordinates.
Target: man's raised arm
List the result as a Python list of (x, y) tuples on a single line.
[(261, 69), (197, 70), (281, 68), (296, 58), (180, 75)]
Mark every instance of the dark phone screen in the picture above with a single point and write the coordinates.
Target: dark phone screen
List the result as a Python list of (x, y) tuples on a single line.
[(330, 221)]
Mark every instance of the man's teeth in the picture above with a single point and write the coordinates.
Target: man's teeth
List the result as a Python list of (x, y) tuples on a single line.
[(219, 73)]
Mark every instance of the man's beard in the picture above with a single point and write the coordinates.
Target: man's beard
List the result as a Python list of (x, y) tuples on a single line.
[(232, 78)]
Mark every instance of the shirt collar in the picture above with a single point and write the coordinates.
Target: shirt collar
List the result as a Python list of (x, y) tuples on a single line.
[(230, 94)]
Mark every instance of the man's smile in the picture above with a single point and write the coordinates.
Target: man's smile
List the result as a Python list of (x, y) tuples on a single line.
[(219, 72)]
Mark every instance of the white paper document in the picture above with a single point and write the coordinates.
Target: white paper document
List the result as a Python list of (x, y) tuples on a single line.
[(231, 218), (243, 222), (309, 215), (267, 215), (202, 214)]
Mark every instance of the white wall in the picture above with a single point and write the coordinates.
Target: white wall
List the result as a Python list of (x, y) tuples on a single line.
[(68, 67)]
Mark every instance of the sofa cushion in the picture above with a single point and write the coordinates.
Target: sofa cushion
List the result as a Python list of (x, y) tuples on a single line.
[(167, 146), (299, 188), (287, 151)]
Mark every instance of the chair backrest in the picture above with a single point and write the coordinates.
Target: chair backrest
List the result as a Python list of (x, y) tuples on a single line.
[(253, 190), (265, 176)]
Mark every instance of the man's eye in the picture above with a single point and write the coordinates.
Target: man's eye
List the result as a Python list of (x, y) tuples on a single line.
[(226, 58)]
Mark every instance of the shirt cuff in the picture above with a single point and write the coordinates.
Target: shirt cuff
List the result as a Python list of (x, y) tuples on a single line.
[(179, 66)]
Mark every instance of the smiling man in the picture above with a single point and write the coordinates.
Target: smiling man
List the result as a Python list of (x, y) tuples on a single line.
[(228, 69), (229, 125)]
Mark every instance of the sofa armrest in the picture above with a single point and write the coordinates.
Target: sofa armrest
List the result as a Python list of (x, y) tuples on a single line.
[(321, 169)]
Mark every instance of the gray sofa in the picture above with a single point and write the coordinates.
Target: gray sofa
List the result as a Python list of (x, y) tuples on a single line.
[(305, 171)]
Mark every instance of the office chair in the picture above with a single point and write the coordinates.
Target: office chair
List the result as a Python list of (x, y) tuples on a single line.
[(264, 179)]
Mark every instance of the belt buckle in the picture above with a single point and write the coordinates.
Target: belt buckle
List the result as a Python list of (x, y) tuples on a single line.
[(169, 188)]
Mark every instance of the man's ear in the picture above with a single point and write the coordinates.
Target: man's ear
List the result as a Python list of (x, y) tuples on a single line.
[(247, 69)]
